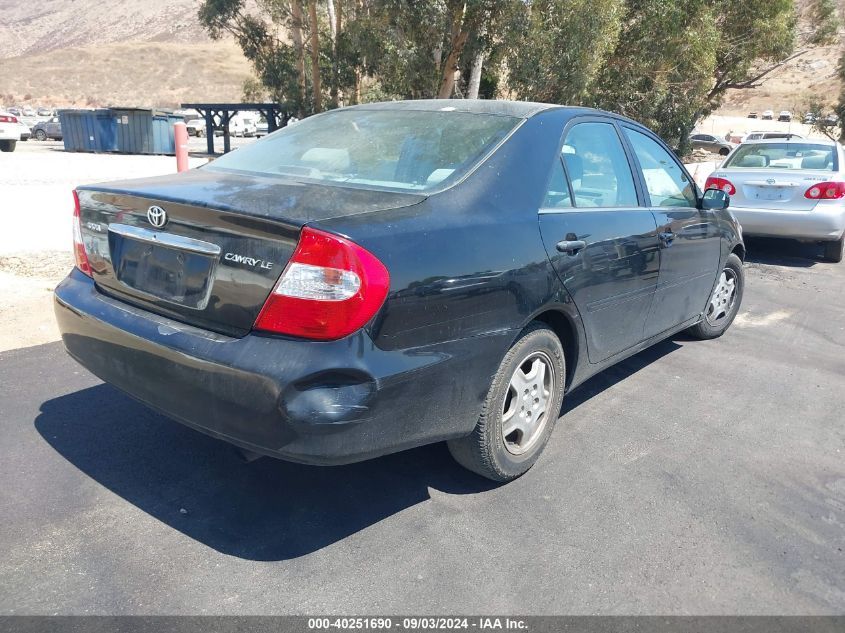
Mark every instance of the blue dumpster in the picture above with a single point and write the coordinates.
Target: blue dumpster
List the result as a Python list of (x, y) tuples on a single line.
[(78, 130), (164, 141), (124, 130)]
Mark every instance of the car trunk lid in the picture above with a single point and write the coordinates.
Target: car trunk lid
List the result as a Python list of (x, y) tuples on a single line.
[(207, 247), (765, 188)]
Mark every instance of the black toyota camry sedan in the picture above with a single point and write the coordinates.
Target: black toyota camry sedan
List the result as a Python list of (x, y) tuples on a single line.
[(389, 275)]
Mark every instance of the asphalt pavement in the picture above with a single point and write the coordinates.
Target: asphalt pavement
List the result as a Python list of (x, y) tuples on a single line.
[(694, 478)]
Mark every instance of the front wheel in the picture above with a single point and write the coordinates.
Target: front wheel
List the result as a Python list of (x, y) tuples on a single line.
[(833, 250), (724, 301), (40, 135), (520, 410)]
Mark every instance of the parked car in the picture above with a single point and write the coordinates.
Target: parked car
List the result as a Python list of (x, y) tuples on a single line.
[(48, 112), (712, 144), (785, 116), (388, 275), (49, 129), (768, 115), (196, 127), (809, 118), (831, 120), (756, 136), (242, 125), (15, 111), (788, 188), (27, 111), (261, 128), (752, 115), (10, 131), (24, 132)]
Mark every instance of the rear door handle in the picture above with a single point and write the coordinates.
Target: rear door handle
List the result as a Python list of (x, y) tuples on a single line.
[(571, 246), (666, 237)]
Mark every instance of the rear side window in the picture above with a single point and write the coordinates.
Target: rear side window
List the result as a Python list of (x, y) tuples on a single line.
[(788, 155), (402, 150), (598, 167), (557, 195), (666, 182)]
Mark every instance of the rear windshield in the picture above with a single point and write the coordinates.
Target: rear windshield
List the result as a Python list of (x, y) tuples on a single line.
[(391, 149), (784, 156)]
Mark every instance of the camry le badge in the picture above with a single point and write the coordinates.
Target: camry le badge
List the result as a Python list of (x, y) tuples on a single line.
[(157, 216)]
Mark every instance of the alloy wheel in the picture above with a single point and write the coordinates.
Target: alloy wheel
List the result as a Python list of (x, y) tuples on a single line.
[(723, 297), (525, 410)]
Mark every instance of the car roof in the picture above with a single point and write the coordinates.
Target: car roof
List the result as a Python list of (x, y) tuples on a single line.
[(521, 109), (774, 141)]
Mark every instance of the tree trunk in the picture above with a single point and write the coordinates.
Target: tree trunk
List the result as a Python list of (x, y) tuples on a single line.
[(333, 30), (457, 41), (296, 36), (475, 75), (316, 86)]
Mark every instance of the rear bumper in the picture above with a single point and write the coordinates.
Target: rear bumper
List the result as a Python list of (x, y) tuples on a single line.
[(319, 403), (825, 222)]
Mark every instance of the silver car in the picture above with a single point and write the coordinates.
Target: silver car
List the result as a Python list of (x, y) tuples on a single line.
[(791, 188)]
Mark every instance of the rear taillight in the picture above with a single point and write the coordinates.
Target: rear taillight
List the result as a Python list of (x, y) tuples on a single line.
[(330, 288), (78, 245), (826, 191), (720, 183), (4, 118)]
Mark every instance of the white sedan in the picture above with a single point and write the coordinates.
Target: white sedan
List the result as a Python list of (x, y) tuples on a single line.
[(11, 131), (791, 188)]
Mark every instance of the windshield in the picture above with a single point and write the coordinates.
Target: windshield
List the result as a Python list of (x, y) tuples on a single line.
[(784, 156), (392, 149)]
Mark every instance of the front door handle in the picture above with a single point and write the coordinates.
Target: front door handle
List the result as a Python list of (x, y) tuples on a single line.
[(571, 246), (666, 238)]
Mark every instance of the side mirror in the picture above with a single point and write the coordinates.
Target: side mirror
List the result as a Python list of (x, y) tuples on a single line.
[(715, 200)]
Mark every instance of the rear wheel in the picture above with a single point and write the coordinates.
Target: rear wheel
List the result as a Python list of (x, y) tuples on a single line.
[(40, 135), (724, 151), (8, 146), (724, 301), (520, 410), (833, 250)]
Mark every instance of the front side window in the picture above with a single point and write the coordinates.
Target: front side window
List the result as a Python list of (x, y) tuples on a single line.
[(666, 182), (787, 155), (597, 167), (407, 150)]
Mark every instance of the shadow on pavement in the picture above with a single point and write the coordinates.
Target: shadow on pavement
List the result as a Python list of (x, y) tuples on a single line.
[(266, 510), (782, 252)]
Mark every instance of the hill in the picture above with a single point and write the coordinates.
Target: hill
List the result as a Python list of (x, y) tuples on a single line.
[(99, 52)]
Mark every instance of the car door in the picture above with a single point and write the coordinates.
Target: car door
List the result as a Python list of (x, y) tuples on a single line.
[(601, 241), (688, 237), (52, 128)]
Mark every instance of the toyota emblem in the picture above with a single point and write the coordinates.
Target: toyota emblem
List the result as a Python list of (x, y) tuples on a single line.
[(157, 216)]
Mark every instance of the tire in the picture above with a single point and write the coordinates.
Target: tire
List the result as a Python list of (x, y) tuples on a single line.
[(724, 303), (40, 135), (724, 151), (833, 250), (8, 146), (488, 450), (200, 133)]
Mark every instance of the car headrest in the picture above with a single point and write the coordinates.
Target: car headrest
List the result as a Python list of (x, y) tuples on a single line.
[(753, 160), (327, 158), (574, 165), (819, 161)]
